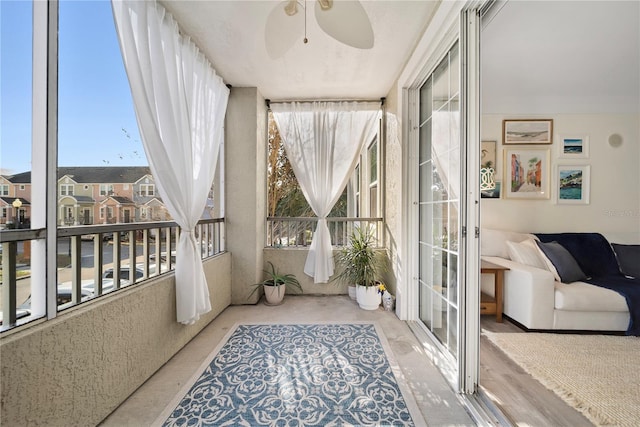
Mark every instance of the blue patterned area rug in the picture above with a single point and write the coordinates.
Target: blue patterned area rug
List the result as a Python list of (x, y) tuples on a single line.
[(297, 375)]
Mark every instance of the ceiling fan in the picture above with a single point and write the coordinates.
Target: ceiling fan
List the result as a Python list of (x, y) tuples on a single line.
[(345, 21)]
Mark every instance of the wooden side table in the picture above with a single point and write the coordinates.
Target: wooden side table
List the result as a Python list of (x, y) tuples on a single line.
[(488, 304)]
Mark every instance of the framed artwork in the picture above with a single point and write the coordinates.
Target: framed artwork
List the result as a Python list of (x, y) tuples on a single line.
[(573, 146), (526, 173), (488, 160), (573, 183), (526, 131)]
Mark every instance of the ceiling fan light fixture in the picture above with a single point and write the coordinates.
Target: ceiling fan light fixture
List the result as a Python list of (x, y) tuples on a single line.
[(347, 22), (325, 4), (282, 31), (291, 8)]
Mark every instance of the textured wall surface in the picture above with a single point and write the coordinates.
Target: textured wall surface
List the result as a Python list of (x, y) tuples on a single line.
[(393, 190), (77, 368), (246, 186), (292, 261)]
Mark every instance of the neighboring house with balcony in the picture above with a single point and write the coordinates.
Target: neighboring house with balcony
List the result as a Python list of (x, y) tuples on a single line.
[(90, 195), (145, 196), (109, 192), (75, 201), (12, 188), (116, 209), (8, 211)]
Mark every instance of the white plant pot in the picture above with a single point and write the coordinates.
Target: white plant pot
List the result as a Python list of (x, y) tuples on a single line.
[(352, 292), (274, 294), (368, 297)]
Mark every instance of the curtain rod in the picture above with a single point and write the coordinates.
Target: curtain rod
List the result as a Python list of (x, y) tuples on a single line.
[(269, 102)]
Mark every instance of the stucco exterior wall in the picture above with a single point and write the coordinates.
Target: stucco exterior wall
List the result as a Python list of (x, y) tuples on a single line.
[(393, 190), (77, 368), (292, 261), (245, 180)]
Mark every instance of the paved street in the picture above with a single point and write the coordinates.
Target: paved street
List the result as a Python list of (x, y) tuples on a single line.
[(23, 290)]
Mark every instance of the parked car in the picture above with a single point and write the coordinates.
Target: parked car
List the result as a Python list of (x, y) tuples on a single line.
[(163, 257), (125, 274), (64, 293), (20, 313), (64, 296)]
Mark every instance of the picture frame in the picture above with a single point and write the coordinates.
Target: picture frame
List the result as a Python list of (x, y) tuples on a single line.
[(573, 146), (527, 131), (573, 184), (527, 173), (489, 159)]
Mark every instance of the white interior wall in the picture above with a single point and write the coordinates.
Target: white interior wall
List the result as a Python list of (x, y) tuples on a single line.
[(614, 208)]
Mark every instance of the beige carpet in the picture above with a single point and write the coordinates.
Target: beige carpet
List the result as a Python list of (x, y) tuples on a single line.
[(596, 374)]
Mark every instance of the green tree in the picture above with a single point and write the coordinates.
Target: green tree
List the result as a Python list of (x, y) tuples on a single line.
[(285, 198)]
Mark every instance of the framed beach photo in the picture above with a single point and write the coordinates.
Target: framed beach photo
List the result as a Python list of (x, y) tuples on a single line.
[(526, 173), (573, 146), (527, 131), (573, 183)]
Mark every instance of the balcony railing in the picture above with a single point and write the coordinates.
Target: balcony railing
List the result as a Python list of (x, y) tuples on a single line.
[(297, 232), (94, 260)]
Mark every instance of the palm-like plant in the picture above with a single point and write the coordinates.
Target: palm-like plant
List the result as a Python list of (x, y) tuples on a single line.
[(276, 279), (359, 261)]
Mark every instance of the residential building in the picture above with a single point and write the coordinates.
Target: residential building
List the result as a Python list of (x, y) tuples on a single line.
[(92, 195)]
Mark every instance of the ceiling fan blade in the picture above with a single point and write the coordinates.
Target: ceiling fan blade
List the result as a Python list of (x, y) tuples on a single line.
[(347, 22), (282, 30)]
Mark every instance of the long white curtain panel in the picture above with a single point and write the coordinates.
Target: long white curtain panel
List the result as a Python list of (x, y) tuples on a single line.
[(323, 141), (180, 104)]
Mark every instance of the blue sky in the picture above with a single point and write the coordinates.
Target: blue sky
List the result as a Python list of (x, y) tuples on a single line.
[(96, 122)]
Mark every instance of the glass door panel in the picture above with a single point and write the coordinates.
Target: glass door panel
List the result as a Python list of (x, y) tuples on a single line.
[(425, 305), (439, 188)]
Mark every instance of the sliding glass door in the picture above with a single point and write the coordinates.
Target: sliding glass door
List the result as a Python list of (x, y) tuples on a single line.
[(439, 195)]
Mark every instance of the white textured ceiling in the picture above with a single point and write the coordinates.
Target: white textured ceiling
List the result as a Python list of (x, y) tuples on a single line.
[(562, 57), (232, 36)]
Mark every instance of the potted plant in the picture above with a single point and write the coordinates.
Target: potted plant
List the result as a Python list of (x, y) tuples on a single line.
[(360, 264), (275, 285)]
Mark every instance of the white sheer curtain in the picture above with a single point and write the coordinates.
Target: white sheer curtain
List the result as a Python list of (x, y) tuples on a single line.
[(180, 105), (323, 141)]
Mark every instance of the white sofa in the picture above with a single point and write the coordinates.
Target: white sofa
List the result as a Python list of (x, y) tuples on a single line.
[(534, 299)]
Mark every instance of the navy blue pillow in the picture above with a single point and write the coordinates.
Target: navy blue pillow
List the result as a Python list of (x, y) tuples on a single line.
[(592, 251), (565, 264), (628, 259)]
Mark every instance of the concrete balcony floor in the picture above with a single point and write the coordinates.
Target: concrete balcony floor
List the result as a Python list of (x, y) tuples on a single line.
[(438, 403)]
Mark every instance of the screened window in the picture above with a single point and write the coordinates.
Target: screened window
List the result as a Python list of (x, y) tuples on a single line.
[(285, 198), (16, 81), (372, 154)]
